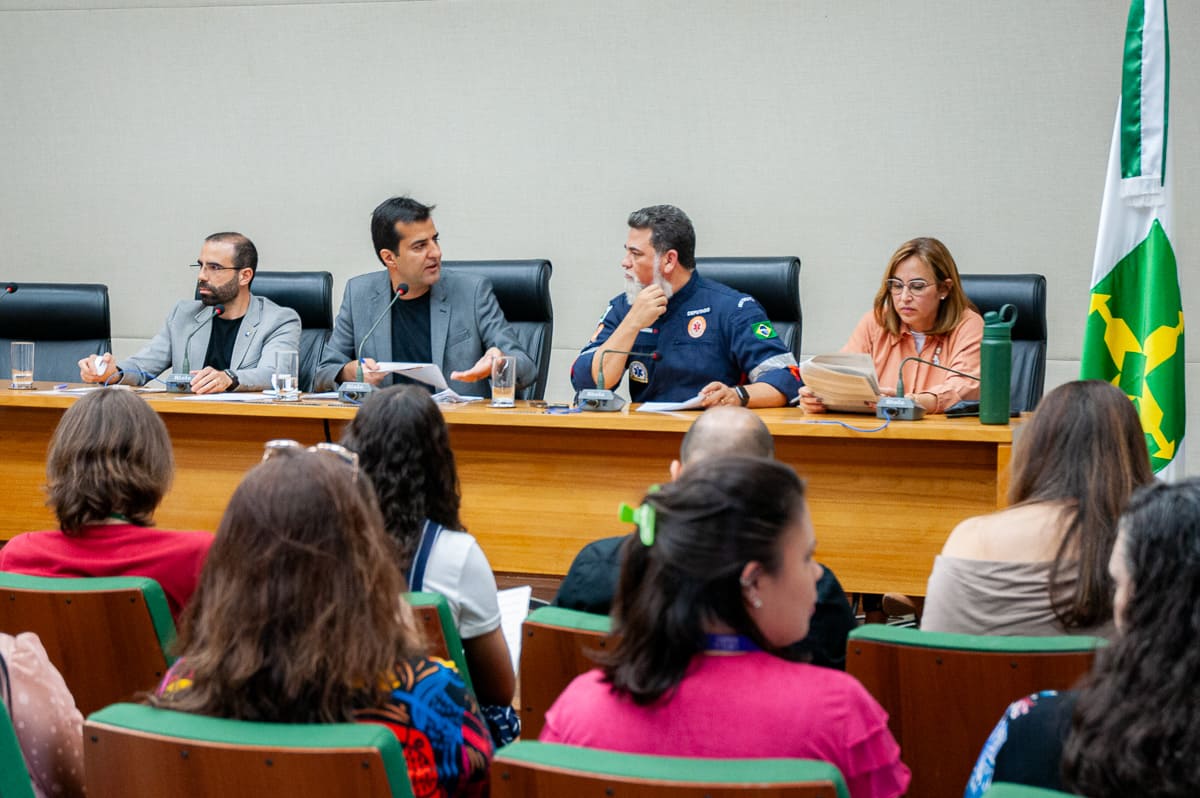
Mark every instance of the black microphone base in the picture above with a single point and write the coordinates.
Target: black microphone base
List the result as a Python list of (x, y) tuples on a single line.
[(598, 401), (899, 408), (354, 393), (178, 383)]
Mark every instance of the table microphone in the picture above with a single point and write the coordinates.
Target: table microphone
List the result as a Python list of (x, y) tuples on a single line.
[(181, 381), (903, 408), (11, 288), (355, 392), (599, 399)]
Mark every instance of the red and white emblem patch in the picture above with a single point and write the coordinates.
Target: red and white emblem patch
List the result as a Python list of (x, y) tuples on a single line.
[(696, 326)]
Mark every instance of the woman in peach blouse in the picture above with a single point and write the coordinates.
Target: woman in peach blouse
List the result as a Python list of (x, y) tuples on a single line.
[(920, 311)]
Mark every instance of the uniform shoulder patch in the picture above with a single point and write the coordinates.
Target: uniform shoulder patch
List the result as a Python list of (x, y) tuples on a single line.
[(764, 330), (637, 371)]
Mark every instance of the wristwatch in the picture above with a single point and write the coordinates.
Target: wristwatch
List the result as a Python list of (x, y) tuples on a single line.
[(743, 394), (231, 374)]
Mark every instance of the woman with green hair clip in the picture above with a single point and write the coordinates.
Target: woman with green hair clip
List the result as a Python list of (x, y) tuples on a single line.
[(719, 579)]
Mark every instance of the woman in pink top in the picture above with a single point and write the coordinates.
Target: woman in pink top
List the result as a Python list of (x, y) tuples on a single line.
[(920, 311), (109, 466), (719, 578)]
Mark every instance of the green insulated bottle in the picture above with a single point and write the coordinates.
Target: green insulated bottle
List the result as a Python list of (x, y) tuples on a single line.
[(995, 365)]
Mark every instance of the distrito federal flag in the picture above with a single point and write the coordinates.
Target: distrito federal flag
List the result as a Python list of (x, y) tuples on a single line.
[(1134, 336)]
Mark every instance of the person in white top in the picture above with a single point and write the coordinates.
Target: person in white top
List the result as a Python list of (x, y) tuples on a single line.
[(403, 445)]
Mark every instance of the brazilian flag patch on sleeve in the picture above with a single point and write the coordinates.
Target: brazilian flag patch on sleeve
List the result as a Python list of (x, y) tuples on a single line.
[(763, 330)]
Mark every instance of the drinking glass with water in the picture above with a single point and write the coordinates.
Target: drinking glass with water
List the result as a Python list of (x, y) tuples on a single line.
[(504, 381), (286, 377), (20, 355)]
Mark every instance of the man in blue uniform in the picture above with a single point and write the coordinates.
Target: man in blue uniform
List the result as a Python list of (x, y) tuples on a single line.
[(689, 336)]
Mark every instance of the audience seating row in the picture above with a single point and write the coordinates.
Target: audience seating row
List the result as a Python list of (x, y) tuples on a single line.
[(108, 637), (943, 692), (69, 321)]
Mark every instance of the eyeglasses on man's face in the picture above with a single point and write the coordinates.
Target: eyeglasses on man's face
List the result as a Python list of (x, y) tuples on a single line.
[(211, 268)]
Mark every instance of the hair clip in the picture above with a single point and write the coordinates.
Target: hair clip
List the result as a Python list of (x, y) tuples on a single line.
[(644, 517)]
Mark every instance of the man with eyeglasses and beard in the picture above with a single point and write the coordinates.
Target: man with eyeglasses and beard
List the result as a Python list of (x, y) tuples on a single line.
[(230, 336), (690, 336)]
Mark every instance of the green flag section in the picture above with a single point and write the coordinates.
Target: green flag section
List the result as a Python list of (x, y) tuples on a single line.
[(1134, 335), (1134, 340)]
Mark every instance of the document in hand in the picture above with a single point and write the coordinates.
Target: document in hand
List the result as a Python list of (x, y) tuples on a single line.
[(427, 373), (844, 381)]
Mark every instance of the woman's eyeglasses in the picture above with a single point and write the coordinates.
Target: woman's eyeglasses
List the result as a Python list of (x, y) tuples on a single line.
[(279, 445), (915, 287)]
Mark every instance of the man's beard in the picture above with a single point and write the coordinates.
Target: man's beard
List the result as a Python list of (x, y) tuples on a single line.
[(219, 294), (633, 287)]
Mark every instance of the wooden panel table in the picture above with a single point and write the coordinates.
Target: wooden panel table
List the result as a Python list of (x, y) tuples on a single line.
[(538, 486)]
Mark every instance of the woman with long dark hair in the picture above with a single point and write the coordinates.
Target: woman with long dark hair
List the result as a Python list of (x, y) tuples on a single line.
[(1040, 566), (403, 446), (297, 619), (718, 579), (1133, 727)]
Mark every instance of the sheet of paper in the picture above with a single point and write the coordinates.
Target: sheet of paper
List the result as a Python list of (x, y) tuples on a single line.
[(514, 607), (427, 373), (76, 390), (450, 397), (245, 396), (666, 407)]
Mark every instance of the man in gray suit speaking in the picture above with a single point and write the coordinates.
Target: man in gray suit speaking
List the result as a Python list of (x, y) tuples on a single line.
[(450, 319), (226, 340)]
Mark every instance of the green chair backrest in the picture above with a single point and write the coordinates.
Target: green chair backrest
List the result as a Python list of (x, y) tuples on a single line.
[(945, 692), (131, 749), (108, 636), (571, 619), (1005, 790), (14, 775), (442, 635), (528, 768), (993, 644), (556, 646)]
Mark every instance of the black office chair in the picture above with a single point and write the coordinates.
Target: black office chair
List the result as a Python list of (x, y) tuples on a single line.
[(66, 322), (1027, 292), (310, 294), (522, 288), (773, 281)]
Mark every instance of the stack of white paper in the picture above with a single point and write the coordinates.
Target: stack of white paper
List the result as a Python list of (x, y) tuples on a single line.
[(845, 382)]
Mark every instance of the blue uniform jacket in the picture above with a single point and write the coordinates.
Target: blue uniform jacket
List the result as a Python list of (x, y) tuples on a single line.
[(709, 332)]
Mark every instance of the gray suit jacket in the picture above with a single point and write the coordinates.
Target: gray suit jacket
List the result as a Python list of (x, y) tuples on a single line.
[(464, 320), (266, 329)]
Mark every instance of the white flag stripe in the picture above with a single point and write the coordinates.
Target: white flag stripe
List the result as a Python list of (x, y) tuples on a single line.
[(1124, 225), (1147, 188)]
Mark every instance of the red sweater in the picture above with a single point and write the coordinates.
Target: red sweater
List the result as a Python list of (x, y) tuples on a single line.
[(173, 559)]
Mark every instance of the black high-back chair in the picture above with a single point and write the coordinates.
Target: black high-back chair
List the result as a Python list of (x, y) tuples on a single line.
[(522, 289), (773, 281), (310, 294), (1027, 292), (66, 322)]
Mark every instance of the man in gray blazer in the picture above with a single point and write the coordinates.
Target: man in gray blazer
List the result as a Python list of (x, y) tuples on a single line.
[(450, 319), (227, 340)]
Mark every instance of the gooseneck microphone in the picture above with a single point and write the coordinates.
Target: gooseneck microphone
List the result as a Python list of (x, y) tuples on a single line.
[(902, 408), (355, 392), (11, 288), (600, 399), (181, 381)]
